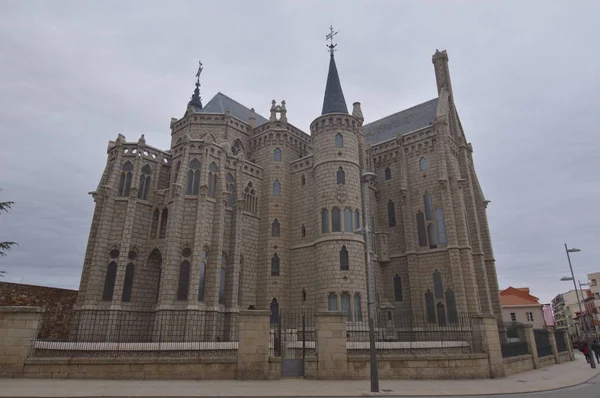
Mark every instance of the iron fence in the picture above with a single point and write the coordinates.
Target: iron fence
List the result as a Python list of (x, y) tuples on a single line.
[(415, 334), (101, 333), (293, 334), (513, 341), (561, 344), (542, 340)]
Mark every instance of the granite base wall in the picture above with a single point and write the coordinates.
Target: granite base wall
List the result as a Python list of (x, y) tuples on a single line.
[(547, 361), (521, 363), (131, 368)]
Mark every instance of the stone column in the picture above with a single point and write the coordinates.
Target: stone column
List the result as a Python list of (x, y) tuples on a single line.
[(552, 338), (18, 328), (485, 333), (569, 345), (331, 349), (253, 345), (532, 345)]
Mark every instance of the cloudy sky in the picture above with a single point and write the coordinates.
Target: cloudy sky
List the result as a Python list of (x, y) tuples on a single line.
[(526, 77)]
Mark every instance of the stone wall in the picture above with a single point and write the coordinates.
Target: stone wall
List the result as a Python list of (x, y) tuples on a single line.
[(547, 361), (18, 326), (522, 363)]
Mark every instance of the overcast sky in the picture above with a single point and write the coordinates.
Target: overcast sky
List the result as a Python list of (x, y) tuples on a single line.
[(526, 78)]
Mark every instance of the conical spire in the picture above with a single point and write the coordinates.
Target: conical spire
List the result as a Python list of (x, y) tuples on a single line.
[(196, 101), (334, 101)]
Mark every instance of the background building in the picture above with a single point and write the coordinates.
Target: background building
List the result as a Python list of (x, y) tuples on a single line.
[(518, 305)]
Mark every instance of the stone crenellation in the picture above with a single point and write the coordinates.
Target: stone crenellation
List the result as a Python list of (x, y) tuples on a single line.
[(246, 211)]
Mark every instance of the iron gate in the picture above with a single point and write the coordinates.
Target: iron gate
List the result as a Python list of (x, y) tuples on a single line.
[(293, 340)]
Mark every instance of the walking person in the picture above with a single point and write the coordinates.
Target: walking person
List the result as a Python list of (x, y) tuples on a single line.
[(596, 349), (586, 351)]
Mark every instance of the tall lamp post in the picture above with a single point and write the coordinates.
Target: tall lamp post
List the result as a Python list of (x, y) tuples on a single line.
[(587, 336), (365, 178)]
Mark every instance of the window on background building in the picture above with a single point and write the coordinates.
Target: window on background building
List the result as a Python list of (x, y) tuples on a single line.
[(109, 281), (250, 202), (164, 220), (341, 176), (303, 181), (348, 220), (356, 219), (423, 164), (303, 232), (357, 308), (336, 222), (397, 288), (441, 226), (128, 283), (276, 188), (277, 155), (275, 228), (513, 316), (230, 183), (222, 279), (438, 287), (324, 221), (212, 180), (451, 303), (193, 181), (388, 173), (184, 281), (303, 295), (346, 305), (274, 307), (144, 188), (125, 179), (339, 140), (344, 263), (530, 316), (203, 262), (391, 213), (421, 229), (431, 234), (428, 206), (430, 307), (441, 314), (332, 302), (275, 265)]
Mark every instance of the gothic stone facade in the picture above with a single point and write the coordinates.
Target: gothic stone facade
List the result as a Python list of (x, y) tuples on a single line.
[(246, 211)]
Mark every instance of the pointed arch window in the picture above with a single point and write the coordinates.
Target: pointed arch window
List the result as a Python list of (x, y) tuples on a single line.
[(125, 179), (109, 281), (344, 261), (441, 314), (428, 206), (163, 224), (202, 281), (154, 228), (230, 183), (356, 219), (250, 201), (275, 228), (275, 265), (303, 232), (303, 295), (441, 226), (423, 164), (346, 305), (348, 220), (274, 307), (341, 176), (438, 286), (332, 302), (430, 307), (324, 221), (431, 235), (212, 180), (336, 222), (421, 229), (391, 213), (183, 286), (397, 288), (222, 275), (303, 180), (193, 180), (276, 188), (237, 147), (357, 308), (277, 155), (339, 140), (388, 173), (144, 187), (128, 283), (451, 303)]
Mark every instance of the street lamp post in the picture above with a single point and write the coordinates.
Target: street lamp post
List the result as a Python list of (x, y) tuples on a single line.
[(587, 336), (365, 178)]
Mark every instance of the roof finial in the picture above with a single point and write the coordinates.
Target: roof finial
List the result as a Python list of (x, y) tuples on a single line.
[(329, 37), (196, 100)]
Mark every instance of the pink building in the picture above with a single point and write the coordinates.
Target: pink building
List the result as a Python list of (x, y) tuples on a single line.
[(548, 316)]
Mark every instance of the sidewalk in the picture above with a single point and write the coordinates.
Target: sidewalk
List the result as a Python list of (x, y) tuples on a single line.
[(549, 378)]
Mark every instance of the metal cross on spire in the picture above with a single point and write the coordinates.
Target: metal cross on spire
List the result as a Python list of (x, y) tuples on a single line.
[(329, 37), (200, 68)]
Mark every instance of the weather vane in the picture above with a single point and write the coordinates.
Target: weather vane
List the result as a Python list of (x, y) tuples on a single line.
[(329, 37), (198, 73)]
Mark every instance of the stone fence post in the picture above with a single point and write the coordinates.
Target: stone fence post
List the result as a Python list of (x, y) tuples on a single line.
[(552, 339), (532, 345), (569, 346), (253, 345), (485, 329), (332, 354), (18, 329)]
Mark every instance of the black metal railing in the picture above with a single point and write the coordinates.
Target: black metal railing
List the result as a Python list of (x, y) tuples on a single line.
[(293, 334), (414, 333), (513, 341), (561, 344), (542, 341), (92, 333)]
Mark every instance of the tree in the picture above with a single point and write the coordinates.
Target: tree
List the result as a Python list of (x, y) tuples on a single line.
[(5, 246)]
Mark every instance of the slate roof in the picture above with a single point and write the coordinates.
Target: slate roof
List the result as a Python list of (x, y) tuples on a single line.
[(220, 103), (403, 122), (333, 101)]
